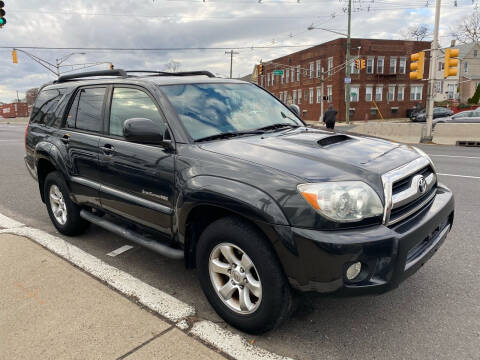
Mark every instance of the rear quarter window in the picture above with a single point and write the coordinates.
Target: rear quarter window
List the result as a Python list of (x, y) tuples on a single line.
[(44, 110)]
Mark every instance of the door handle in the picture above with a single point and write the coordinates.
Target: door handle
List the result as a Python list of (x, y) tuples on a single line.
[(107, 149), (65, 138)]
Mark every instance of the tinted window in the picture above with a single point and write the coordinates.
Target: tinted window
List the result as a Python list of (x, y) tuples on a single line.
[(44, 109), (89, 109), (210, 109), (130, 103)]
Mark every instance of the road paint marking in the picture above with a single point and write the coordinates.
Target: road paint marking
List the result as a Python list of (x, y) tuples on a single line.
[(457, 156), (231, 344), (462, 176), (156, 300), (120, 250)]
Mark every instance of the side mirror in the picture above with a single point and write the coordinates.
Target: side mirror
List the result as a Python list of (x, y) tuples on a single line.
[(143, 131), (295, 109)]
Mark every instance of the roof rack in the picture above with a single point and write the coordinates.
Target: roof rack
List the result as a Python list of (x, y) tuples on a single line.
[(181, 73), (116, 72)]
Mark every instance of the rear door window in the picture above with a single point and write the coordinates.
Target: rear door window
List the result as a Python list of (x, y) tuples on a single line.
[(44, 110), (86, 112)]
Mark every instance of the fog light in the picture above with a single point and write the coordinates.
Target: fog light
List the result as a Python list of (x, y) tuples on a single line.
[(353, 270)]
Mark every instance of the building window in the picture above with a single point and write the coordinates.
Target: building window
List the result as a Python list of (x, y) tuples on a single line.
[(292, 73), (319, 95), (298, 72), (373, 111), (311, 70), (393, 65), (465, 67), (401, 93), (378, 93), (329, 93), (402, 66), (261, 80), (287, 75), (391, 93), (438, 87), (394, 110), (353, 68), (441, 66), (370, 61), (368, 93), (416, 92), (354, 92), (281, 96), (475, 53), (330, 65), (299, 96), (380, 62), (282, 78), (285, 96), (273, 79), (268, 79), (294, 96), (319, 69), (310, 96), (451, 91)]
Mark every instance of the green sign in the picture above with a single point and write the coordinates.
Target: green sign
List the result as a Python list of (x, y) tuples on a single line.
[(277, 72)]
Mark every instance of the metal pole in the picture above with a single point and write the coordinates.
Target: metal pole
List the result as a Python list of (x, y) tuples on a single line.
[(231, 53), (347, 68), (321, 100), (432, 73)]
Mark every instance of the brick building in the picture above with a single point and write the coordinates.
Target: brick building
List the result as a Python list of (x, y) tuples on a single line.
[(385, 80), (14, 110)]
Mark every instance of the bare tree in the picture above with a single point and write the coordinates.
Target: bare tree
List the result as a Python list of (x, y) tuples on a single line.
[(172, 66), (417, 32), (469, 30)]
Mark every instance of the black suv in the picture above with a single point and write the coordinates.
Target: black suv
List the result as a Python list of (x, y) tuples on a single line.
[(222, 174)]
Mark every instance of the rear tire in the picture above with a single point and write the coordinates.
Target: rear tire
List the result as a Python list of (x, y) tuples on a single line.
[(63, 212), (246, 286)]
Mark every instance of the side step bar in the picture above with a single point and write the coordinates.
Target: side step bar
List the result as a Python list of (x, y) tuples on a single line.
[(133, 236)]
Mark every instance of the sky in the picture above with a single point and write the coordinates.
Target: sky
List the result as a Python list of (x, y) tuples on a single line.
[(241, 25)]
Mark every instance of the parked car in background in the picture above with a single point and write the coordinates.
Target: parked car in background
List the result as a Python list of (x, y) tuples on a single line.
[(468, 116), (438, 112)]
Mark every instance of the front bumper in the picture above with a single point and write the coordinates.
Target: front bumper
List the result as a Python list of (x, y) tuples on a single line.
[(388, 254)]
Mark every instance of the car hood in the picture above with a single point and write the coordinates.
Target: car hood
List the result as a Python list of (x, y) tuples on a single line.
[(317, 155)]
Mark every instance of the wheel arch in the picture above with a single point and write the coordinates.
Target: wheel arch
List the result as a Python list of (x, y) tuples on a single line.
[(47, 159)]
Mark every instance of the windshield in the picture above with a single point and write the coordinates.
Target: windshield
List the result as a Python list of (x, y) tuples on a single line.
[(210, 109)]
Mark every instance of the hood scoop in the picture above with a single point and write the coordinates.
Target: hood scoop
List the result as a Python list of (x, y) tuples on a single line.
[(334, 139)]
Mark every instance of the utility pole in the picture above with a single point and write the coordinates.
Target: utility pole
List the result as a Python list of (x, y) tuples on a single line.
[(18, 99), (432, 73), (347, 67), (322, 92), (231, 53)]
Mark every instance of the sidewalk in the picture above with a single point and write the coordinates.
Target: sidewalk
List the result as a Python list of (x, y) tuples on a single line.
[(49, 309), (19, 121)]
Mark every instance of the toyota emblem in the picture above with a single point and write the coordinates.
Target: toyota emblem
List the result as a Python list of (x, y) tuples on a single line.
[(422, 185)]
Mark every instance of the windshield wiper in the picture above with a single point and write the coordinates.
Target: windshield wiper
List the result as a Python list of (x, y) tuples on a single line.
[(230, 134), (278, 126)]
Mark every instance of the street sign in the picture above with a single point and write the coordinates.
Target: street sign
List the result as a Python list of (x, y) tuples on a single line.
[(277, 72), (348, 80)]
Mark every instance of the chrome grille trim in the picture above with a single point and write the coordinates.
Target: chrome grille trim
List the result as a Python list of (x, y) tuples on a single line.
[(397, 174), (411, 193), (414, 210)]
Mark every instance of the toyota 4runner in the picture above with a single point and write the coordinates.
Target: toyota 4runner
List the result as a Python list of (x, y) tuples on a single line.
[(220, 173)]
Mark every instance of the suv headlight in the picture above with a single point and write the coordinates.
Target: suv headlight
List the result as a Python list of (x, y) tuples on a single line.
[(342, 201)]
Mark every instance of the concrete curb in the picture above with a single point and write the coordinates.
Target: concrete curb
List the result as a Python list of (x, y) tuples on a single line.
[(154, 299)]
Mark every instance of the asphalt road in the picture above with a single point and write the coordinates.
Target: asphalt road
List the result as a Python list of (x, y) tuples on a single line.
[(435, 314)]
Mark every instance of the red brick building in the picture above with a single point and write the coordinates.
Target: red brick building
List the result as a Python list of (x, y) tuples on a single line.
[(385, 80), (14, 110)]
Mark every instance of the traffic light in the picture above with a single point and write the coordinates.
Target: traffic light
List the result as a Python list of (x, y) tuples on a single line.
[(362, 64), (111, 66), (451, 62), (357, 64), (3, 21), (260, 69), (416, 65), (14, 56)]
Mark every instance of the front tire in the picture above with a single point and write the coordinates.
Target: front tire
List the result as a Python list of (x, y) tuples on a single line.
[(63, 212), (242, 277)]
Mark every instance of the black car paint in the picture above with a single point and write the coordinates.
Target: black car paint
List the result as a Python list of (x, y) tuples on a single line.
[(256, 177)]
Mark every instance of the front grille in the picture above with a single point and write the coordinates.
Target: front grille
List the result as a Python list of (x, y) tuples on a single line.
[(403, 194)]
